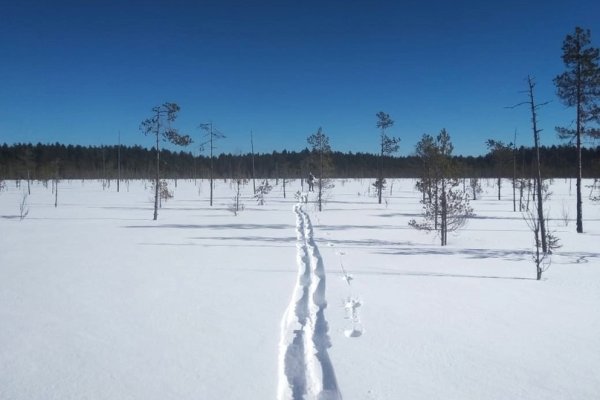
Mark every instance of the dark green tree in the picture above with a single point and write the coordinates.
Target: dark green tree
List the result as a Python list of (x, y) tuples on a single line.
[(388, 144), (579, 87), (159, 125), (448, 202), (319, 143)]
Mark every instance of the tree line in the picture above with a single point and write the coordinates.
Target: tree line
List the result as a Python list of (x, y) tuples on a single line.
[(101, 162)]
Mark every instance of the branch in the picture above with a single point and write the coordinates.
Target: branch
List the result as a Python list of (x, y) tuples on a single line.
[(518, 105)]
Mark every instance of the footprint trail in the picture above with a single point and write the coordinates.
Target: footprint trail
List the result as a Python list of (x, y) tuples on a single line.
[(305, 369)]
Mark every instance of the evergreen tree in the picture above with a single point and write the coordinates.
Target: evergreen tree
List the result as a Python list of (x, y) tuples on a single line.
[(579, 87), (447, 201), (159, 125), (321, 150), (388, 145)]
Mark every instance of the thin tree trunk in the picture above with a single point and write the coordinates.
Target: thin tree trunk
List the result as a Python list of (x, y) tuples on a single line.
[(253, 176), (321, 180), (538, 177), (380, 184), (579, 128), (211, 165), (499, 186), (514, 179), (444, 214), (157, 181), (578, 182), (119, 164)]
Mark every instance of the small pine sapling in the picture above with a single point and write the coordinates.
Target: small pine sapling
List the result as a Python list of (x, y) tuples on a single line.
[(261, 191)]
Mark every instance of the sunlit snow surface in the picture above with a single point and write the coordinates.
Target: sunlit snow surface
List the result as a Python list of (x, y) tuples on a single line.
[(98, 301)]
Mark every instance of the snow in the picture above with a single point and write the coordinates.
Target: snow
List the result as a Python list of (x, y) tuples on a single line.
[(98, 301)]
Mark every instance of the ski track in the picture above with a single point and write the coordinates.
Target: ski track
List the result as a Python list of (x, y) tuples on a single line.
[(305, 370)]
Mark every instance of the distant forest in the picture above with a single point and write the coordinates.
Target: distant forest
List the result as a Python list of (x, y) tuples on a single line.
[(44, 161)]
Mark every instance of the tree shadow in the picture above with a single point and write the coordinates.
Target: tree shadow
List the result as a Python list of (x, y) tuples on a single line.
[(362, 243), (351, 227), (505, 254), (439, 275), (212, 226), (268, 239), (399, 214)]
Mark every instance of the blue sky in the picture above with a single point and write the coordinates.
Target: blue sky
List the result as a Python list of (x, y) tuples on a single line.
[(81, 71)]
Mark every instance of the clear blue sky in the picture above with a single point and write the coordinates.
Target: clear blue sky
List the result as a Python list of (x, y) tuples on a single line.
[(79, 71)]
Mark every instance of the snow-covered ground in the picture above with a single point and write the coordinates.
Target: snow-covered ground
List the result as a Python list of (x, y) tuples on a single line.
[(98, 301)]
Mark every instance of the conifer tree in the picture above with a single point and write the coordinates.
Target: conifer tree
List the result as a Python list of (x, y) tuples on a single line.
[(319, 143), (579, 87), (447, 201), (388, 146), (159, 125)]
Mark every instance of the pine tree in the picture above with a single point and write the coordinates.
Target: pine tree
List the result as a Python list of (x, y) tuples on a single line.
[(579, 87), (446, 200), (159, 125), (388, 146), (321, 150)]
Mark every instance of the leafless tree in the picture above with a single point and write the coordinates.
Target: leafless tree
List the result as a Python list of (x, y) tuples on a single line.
[(211, 135), (533, 107)]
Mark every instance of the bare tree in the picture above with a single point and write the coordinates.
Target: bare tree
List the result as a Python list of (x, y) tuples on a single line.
[(540, 257), (56, 178), (23, 206), (29, 163), (211, 135), (159, 125), (514, 178), (500, 153), (119, 164), (533, 107), (236, 205), (253, 172)]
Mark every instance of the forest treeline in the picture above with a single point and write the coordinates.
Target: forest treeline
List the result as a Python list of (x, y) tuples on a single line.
[(44, 161)]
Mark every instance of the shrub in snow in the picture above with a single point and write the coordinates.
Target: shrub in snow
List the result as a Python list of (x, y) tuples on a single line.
[(261, 191), (236, 205), (163, 191)]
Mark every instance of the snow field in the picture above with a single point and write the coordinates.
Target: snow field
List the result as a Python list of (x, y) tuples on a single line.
[(99, 301)]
